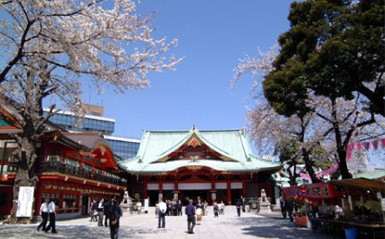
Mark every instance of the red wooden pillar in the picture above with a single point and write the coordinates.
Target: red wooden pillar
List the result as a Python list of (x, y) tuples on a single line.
[(77, 204), (213, 189), (244, 189), (228, 191), (61, 199), (145, 188), (161, 188), (176, 183), (176, 191)]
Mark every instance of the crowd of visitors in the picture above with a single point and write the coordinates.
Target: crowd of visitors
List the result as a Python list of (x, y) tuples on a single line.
[(107, 213), (193, 210)]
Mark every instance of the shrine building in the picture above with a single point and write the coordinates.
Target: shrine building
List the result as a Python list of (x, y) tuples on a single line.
[(213, 165), (72, 168)]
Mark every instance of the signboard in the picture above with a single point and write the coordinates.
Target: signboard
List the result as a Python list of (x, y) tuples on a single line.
[(294, 193), (320, 190), (24, 205)]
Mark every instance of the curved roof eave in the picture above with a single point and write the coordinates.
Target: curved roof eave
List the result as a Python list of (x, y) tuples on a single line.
[(234, 167)]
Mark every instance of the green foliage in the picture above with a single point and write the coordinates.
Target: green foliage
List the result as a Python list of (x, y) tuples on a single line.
[(333, 48), (318, 158), (288, 152)]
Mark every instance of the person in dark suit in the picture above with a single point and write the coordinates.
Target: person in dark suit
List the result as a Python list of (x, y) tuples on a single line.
[(179, 208), (190, 212), (115, 214), (106, 210), (289, 208), (283, 207), (238, 205)]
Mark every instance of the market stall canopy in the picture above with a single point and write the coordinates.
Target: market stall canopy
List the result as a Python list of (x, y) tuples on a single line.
[(362, 184), (296, 193)]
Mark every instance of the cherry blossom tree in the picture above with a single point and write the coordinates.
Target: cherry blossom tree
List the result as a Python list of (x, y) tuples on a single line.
[(51, 48), (328, 124)]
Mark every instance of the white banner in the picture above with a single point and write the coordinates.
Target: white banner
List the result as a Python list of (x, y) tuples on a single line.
[(24, 205), (168, 186), (153, 186), (236, 185), (220, 185), (194, 186)]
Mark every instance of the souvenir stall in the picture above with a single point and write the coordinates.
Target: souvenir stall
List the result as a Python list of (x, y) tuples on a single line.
[(297, 196), (324, 198), (353, 208)]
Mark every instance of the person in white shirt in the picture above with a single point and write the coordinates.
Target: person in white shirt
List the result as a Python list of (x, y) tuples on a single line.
[(222, 208), (52, 217), (43, 214), (100, 212), (162, 214)]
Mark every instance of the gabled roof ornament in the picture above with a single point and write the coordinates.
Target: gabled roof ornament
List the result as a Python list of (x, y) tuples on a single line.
[(194, 130)]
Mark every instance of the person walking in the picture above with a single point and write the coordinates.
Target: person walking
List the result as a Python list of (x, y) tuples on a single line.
[(222, 208), (100, 212), (52, 217), (157, 209), (289, 208), (94, 211), (106, 210), (283, 207), (115, 214), (243, 204), (199, 212), (168, 211), (190, 212), (179, 208), (238, 205), (216, 209), (43, 214), (206, 208), (162, 214)]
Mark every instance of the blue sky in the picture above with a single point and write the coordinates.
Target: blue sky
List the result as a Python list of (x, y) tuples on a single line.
[(213, 36)]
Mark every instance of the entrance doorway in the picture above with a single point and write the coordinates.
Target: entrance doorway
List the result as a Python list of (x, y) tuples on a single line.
[(85, 203), (235, 195), (185, 195)]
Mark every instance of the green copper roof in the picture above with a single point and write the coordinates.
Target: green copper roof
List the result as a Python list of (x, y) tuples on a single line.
[(230, 144), (371, 175)]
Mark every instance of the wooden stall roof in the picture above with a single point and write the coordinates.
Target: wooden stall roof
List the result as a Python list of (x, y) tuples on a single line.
[(362, 184)]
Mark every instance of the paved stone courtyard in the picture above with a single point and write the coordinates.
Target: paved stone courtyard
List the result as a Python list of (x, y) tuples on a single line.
[(228, 226)]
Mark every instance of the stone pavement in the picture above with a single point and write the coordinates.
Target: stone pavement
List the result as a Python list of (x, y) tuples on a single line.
[(143, 226)]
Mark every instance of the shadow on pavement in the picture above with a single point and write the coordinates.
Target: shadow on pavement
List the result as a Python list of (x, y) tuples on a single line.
[(275, 227)]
